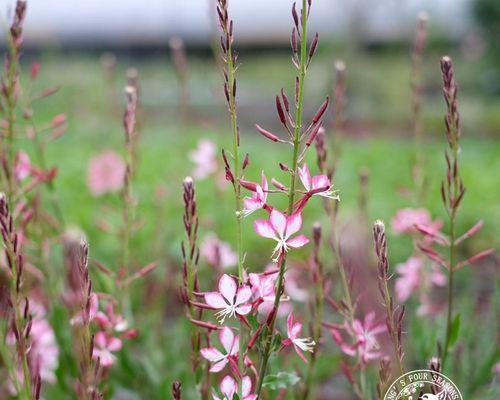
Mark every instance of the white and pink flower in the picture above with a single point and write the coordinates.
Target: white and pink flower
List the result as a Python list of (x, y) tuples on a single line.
[(104, 347), (364, 334), (319, 185), (258, 199), (22, 166), (231, 300), (229, 387), (230, 343), (299, 344), (280, 228)]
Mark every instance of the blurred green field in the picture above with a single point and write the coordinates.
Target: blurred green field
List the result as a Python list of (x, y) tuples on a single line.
[(379, 140)]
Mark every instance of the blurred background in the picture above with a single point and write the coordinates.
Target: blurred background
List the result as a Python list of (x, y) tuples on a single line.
[(90, 49)]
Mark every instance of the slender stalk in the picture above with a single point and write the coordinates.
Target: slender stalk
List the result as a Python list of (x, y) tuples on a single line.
[(291, 195), (21, 318), (394, 318), (452, 189), (229, 57)]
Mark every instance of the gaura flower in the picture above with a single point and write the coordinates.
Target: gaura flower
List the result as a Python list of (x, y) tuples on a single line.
[(258, 199), (22, 166), (364, 335), (412, 275), (280, 227), (106, 173), (230, 299), (218, 253), (299, 344), (104, 347), (205, 159), (231, 345), (317, 183), (229, 387), (109, 321), (407, 219)]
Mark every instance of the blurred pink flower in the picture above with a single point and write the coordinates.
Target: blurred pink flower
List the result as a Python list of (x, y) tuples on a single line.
[(409, 278), (106, 173), (406, 220), (229, 387), (205, 159), (412, 275), (230, 299), (320, 184), (279, 228), (218, 253), (109, 321), (258, 199), (364, 334), (43, 354), (230, 343), (299, 344), (22, 166), (104, 347)]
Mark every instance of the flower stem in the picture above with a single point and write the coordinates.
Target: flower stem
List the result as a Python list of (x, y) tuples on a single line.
[(291, 195)]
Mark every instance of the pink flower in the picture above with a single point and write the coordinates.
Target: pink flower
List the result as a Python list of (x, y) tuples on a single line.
[(412, 275), (218, 253), (230, 343), (86, 315), (299, 344), (43, 355), (280, 227), (364, 335), (205, 159), (44, 351), (258, 199), (409, 278), (104, 347), (316, 183), (230, 299), (106, 173), (109, 321), (22, 166), (229, 387), (406, 220)]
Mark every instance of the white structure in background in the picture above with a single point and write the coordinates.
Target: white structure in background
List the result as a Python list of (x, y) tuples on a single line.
[(150, 22)]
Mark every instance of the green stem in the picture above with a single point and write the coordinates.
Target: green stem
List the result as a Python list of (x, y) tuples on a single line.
[(291, 195)]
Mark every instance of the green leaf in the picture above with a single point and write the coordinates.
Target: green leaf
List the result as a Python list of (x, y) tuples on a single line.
[(455, 328), (281, 380)]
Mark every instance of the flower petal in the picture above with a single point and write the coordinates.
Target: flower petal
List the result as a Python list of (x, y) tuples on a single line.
[(228, 386), (227, 287), (264, 228), (278, 222), (305, 176), (244, 310), (114, 344), (243, 295), (246, 386), (297, 241), (320, 181), (293, 224), (211, 354), (219, 366), (226, 337), (215, 299)]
